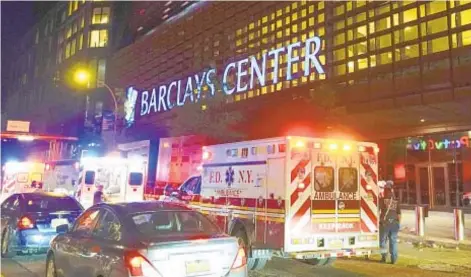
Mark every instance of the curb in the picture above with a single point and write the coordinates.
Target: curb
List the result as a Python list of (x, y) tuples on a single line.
[(435, 242)]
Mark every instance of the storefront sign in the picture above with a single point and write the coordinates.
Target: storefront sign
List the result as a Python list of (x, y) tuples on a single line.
[(431, 144), (246, 73)]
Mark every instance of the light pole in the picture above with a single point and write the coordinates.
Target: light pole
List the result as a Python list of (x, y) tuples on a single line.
[(83, 77)]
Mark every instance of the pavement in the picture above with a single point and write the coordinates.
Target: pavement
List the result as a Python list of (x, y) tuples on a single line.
[(413, 262), (439, 230), (436, 254)]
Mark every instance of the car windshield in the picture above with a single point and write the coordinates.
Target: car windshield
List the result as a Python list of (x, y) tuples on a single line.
[(173, 222), (39, 203)]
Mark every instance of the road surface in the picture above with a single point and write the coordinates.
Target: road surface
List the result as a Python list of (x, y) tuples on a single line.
[(412, 263)]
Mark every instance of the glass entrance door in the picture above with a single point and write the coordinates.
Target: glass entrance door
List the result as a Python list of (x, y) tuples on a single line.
[(433, 185)]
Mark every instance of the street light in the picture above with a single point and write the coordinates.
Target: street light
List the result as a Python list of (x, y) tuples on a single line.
[(82, 77)]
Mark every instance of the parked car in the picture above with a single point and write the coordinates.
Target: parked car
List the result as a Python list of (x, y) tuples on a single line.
[(153, 238), (29, 220)]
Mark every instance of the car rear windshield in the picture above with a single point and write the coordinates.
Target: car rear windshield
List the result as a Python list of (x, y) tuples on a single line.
[(39, 203), (173, 223)]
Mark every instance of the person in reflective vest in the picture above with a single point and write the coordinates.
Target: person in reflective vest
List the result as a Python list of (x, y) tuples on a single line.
[(390, 219)]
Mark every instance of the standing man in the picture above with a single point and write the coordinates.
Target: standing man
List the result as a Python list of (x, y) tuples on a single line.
[(390, 219)]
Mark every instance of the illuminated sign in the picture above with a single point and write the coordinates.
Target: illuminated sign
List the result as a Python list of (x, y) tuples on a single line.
[(246, 73), (130, 106), (432, 144)]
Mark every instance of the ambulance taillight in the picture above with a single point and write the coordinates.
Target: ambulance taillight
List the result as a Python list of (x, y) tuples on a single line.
[(347, 147)]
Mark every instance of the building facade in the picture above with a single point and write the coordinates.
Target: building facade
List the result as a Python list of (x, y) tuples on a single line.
[(71, 35), (398, 72)]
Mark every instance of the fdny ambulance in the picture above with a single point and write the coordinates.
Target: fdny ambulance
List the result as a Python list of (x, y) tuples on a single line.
[(305, 198), (120, 179)]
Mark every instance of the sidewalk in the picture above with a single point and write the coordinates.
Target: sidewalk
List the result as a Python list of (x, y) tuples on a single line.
[(439, 230)]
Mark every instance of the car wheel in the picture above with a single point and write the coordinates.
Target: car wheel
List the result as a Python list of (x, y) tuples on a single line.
[(5, 248), (51, 266)]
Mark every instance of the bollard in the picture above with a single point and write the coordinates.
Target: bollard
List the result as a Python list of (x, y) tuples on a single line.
[(459, 224), (419, 221)]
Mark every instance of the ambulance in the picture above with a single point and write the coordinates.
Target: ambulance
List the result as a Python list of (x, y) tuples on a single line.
[(310, 199), (61, 176), (121, 179), (176, 159), (18, 176)]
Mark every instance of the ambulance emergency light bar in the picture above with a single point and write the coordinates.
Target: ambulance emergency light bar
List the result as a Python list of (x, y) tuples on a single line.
[(13, 166), (134, 162)]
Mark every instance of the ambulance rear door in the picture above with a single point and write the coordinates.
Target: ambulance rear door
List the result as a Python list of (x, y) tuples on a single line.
[(134, 190), (336, 200)]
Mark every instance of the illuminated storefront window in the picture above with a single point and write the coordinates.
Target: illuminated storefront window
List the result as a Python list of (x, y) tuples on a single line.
[(431, 169)]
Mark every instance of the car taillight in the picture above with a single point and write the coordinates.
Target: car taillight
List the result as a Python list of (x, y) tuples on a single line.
[(25, 223), (240, 260), (140, 266)]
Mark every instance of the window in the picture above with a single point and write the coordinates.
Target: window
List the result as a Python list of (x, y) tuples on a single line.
[(437, 25), (109, 227), (69, 32), (348, 179), (162, 223), (192, 186), (67, 50), (101, 15), (101, 72), (384, 41), (135, 178), (72, 47), (439, 44), (382, 24), (86, 222), (339, 39), (80, 42), (324, 179), (35, 202), (11, 203), (89, 177), (436, 7), (98, 38), (409, 15), (465, 17)]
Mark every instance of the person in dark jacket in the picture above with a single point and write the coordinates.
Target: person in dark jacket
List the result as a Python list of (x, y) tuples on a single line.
[(98, 196), (390, 219)]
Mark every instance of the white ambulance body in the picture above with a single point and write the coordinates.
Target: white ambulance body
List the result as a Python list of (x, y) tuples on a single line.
[(304, 198), (61, 176), (18, 176), (122, 179)]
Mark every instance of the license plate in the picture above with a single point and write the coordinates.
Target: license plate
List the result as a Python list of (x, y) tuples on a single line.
[(197, 267), (336, 244), (58, 221)]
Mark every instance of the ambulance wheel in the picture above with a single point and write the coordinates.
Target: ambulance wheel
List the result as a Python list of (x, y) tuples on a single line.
[(321, 262), (252, 263), (256, 263)]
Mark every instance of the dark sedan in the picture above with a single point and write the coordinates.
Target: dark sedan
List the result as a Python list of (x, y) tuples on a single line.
[(29, 220), (151, 239)]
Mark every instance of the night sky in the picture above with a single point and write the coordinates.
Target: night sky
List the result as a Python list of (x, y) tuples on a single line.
[(17, 19)]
